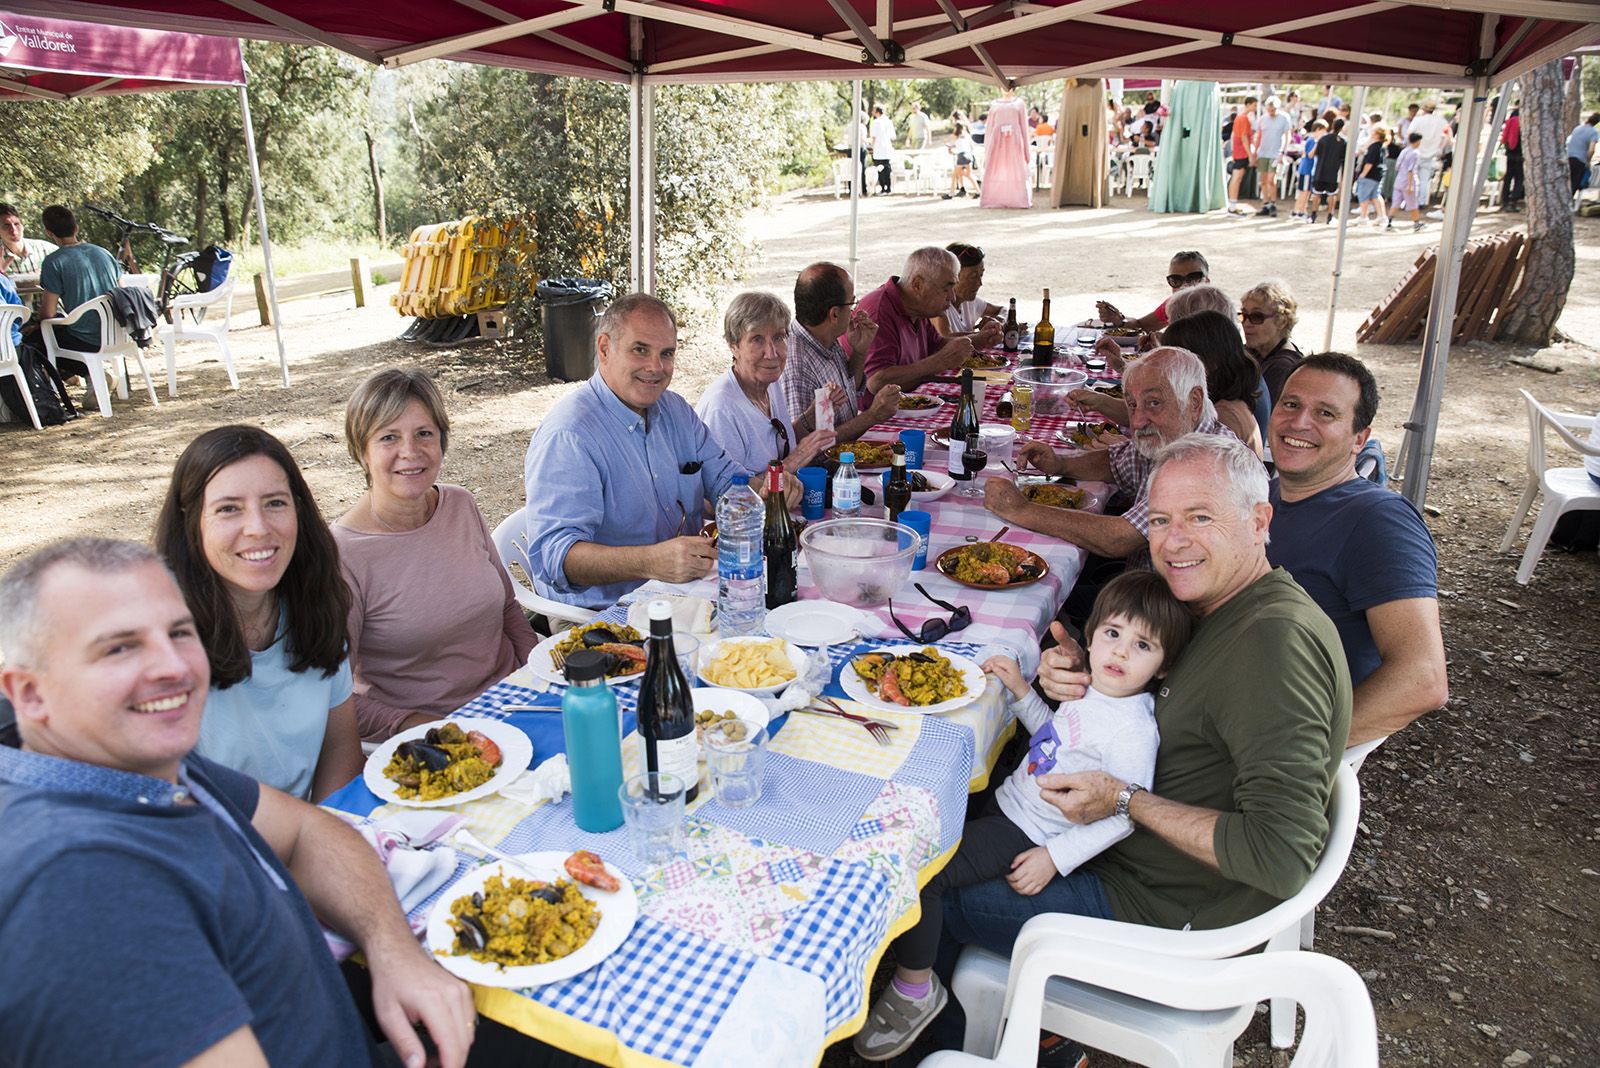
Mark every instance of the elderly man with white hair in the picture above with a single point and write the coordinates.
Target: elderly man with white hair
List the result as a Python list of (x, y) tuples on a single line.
[(1166, 395), (907, 350)]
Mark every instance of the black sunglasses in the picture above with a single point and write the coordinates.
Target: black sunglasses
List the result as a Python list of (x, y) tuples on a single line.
[(783, 436), (1255, 318), (1176, 280), (934, 629)]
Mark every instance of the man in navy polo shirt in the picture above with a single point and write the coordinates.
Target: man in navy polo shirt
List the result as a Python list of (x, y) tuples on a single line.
[(155, 908), (1362, 552)]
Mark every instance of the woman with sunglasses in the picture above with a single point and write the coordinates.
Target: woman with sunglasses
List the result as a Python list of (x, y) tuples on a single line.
[(745, 409), (1186, 269), (1267, 314)]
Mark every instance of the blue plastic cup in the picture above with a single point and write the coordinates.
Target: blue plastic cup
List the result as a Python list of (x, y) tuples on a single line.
[(916, 442), (922, 523), (815, 481)]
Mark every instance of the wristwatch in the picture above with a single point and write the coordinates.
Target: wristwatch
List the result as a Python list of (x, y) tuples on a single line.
[(1124, 796)]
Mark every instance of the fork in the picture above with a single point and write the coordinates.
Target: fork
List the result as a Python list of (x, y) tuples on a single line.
[(473, 842), (559, 658), (876, 728)]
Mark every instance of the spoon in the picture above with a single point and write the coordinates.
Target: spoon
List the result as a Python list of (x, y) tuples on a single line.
[(1000, 535)]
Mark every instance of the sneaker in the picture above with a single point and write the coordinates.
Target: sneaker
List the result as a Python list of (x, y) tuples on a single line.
[(1389, 227), (1058, 1052), (896, 1021), (946, 196), (1272, 210), (962, 192), (1416, 227), (1265, 209)]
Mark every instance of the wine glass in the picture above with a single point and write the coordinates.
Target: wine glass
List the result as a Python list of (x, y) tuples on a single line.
[(973, 460)]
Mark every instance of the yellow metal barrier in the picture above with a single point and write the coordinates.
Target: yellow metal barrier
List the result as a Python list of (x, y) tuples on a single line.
[(450, 267)]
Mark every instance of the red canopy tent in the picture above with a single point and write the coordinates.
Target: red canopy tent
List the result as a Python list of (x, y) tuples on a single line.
[(1466, 44), (45, 58)]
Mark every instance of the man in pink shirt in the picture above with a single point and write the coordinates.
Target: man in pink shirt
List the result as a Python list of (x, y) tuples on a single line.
[(907, 349)]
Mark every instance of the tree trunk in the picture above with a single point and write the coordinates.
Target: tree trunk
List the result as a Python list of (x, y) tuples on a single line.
[(1572, 108), (1531, 315), (201, 188), (224, 200), (377, 189)]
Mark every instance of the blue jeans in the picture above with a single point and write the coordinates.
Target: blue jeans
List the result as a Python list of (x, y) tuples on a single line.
[(990, 914)]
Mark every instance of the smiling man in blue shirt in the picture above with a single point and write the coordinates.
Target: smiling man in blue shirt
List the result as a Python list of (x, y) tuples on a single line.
[(619, 473), (155, 908)]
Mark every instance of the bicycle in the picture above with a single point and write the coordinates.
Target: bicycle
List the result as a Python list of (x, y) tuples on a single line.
[(171, 282)]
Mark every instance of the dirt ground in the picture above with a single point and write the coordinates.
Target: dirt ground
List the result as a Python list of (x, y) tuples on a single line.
[(1476, 874)]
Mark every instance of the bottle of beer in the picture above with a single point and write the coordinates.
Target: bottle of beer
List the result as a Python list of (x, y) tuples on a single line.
[(1044, 337), (1012, 334), (897, 494), (778, 542), (666, 707), (965, 423)]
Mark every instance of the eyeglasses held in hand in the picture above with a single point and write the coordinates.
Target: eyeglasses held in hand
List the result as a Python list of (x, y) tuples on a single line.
[(1255, 318), (934, 629), (783, 437), (1177, 281)]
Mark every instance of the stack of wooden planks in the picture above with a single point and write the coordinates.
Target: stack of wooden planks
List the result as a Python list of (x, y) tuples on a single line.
[(1490, 270)]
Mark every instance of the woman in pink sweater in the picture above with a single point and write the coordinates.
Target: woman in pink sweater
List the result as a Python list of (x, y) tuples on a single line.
[(433, 619)]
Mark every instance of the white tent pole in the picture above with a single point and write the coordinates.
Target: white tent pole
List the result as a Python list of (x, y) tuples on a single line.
[(1446, 285), (855, 172), (1344, 216), (647, 140), (635, 183), (261, 221)]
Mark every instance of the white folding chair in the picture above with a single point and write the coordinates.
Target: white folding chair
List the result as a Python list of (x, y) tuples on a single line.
[(115, 347), (511, 543), (1139, 1029), (10, 314), (1566, 489), (1340, 1031), (190, 313), (844, 172), (1138, 171)]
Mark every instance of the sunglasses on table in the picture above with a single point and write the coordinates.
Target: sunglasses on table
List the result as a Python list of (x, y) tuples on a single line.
[(934, 629), (1255, 318), (783, 437), (1178, 280)]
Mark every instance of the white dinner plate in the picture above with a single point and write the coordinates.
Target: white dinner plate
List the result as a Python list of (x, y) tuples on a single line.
[(856, 687), (941, 482), (814, 623), (927, 408), (542, 663), (619, 911), (516, 752), (797, 658)]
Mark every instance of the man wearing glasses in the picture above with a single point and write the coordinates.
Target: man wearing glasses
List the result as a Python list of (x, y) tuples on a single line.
[(908, 350), (826, 316), (1186, 269)]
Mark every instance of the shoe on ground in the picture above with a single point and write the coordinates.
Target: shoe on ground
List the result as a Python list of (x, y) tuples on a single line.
[(1058, 1052), (946, 196), (962, 192), (1265, 209), (1416, 227), (1389, 227), (896, 1020)]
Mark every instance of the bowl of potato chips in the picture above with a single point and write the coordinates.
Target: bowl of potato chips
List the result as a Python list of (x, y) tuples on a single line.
[(762, 666)]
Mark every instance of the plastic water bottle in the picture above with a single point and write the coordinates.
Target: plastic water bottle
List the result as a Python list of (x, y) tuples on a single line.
[(594, 748), (741, 575), (846, 488)]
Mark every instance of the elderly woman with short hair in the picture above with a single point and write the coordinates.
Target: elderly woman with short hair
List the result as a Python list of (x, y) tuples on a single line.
[(1268, 314), (433, 620), (745, 409)]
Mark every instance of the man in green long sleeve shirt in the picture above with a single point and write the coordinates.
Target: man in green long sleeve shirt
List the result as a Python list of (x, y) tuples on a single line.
[(1253, 722)]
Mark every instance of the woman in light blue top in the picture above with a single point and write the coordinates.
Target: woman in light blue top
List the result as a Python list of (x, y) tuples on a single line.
[(745, 409), (260, 572)]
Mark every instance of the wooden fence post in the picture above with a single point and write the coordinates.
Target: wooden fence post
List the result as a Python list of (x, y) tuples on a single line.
[(262, 304), (360, 278)]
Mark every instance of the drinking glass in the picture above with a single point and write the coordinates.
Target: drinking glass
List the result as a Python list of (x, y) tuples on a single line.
[(738, 765), (973, 460), (652, 808), (687, 648)]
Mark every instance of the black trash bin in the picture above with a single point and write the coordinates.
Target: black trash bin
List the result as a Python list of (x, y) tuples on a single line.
[(571, 307)]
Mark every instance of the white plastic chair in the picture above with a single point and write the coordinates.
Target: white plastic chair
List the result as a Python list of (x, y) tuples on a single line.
[(844, 172), (1138, 171), (115, 347), (11, 314), (511, 543), (189, 315), (1044, 158), (1340, 1032), (1566, 489), (1133, 1027)]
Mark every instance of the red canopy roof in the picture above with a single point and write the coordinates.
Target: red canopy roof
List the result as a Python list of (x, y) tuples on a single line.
[(1421, 42), (52, 59)]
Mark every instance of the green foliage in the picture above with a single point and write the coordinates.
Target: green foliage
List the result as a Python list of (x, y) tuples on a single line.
[(70, 151)]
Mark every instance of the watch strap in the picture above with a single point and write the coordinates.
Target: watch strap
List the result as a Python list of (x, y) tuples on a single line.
[(1125, 797)]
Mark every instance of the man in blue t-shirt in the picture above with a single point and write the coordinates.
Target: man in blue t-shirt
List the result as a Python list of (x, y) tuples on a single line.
[(1580, 149), (1362, 552), (74, 274), (156, 908)]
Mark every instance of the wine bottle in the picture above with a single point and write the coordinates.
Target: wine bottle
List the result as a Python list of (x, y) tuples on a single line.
[(778, 543), (1044, 337), (897, 493), (666, 707), (1012, 335), (965, 422)]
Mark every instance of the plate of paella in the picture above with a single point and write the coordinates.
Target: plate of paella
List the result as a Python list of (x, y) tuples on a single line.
[(992, 565), (920, 402), (870, 455), (622, 643), (984, 361), (447, 762), (542, 918), (909, 678)]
